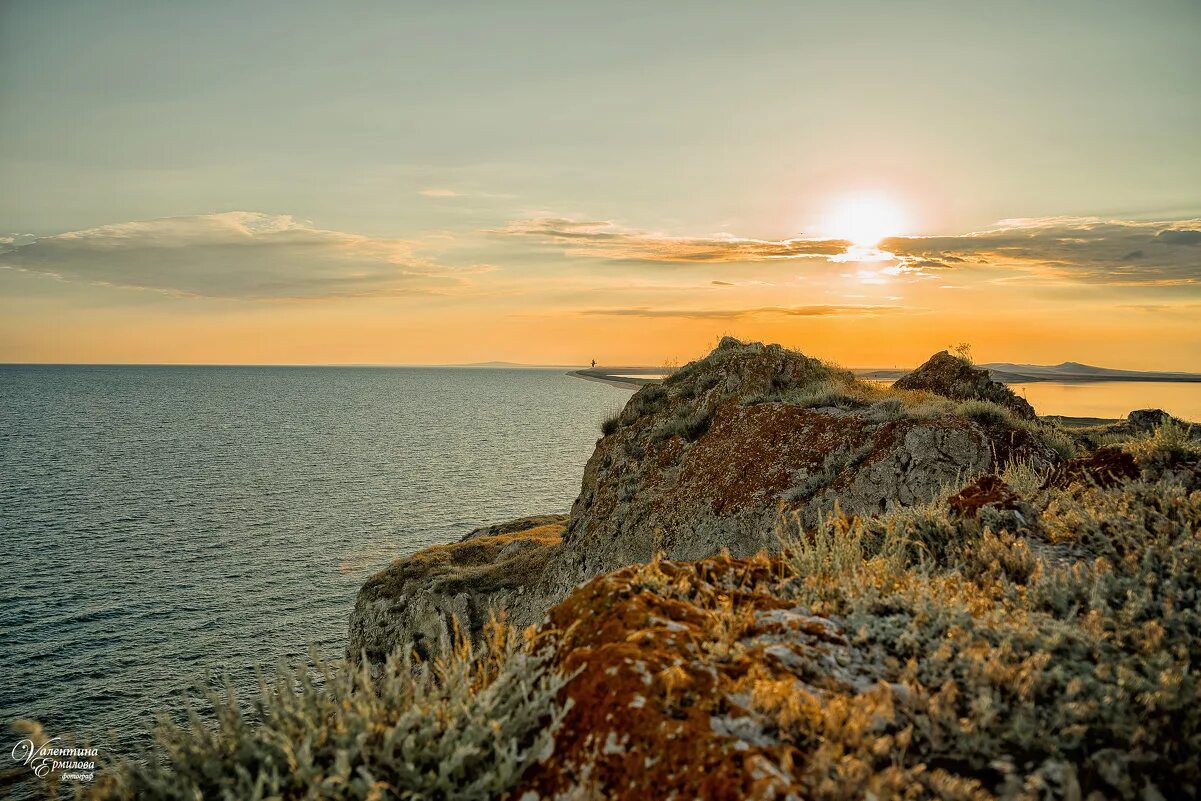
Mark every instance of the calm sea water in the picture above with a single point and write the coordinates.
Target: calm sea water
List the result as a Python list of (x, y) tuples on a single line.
[(162, 521), (1112, 398)]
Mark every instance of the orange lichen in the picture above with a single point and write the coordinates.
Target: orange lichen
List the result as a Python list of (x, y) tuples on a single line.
[(666, 659), (753, 453), (1104, 467), (989, 490)]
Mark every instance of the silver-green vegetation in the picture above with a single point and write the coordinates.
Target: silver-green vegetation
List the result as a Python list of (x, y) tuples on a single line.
[(1050, 655), (464, 726)]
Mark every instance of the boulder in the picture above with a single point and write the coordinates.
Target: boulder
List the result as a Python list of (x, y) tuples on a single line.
[(952, 377), (715, 456), (1145, 421)]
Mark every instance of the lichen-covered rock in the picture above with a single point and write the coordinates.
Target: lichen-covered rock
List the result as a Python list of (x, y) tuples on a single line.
[(1144, 421), (1104, 467), (415, 601), (990, 490), (952, 377), (670, 663)]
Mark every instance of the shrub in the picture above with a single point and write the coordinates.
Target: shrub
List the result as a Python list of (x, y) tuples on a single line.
[(986, 412), (1055, 438), (645, 401), (691, 425), (1168, 444), (1024, 477), (463, 727), (610, 424)]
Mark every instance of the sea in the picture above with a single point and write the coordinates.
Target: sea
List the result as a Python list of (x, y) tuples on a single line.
[(163, 526), (164, 523)]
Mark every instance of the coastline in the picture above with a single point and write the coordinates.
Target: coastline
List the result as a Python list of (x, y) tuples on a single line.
[(619, 376)]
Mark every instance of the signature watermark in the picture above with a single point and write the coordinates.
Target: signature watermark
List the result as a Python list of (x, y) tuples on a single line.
[(55, 761)]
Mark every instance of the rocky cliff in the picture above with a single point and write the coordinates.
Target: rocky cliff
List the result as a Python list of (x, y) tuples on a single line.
[(712, 458), (419, 600)]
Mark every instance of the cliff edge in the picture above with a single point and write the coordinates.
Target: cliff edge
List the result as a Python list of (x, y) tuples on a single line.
[(717, 456)]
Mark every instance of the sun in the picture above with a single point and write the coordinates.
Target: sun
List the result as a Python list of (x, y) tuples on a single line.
[(864, 219)]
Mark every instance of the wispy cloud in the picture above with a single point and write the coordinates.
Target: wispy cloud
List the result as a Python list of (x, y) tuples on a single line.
[(237, 254), (730, 314), (604, 239), (1189, 309), (444, 192), (1086, 249)]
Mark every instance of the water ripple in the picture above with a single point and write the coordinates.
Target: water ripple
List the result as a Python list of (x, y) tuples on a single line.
[(161, 522)]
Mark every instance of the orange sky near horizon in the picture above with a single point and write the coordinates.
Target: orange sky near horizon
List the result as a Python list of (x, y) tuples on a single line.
[(392, 331)]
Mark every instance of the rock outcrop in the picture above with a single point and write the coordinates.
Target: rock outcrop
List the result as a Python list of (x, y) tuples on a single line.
[(952, 377), (417, 599), (713, 458)]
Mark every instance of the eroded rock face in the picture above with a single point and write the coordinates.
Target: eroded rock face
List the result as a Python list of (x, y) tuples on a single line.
[(415, 600), (952, 377), (712, 458)]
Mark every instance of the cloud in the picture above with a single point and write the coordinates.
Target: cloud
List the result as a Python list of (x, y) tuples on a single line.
[(603, 239), (442, 192), (1179, 236), (730, 314), (1087, 249), (1189, 309), (237, 254)]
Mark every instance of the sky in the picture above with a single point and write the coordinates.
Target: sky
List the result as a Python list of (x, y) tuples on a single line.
[(411, 182)]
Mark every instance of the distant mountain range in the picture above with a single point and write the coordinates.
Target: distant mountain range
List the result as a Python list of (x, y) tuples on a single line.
[(1011, 373), (1075, 371)]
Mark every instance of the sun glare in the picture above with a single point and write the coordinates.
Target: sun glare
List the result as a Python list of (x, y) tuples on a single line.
[(864, 219)]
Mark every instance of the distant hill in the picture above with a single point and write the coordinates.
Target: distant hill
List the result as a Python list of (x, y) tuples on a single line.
[(1010, 373), (1075, 371)]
